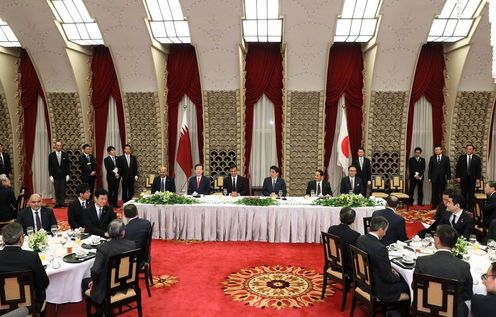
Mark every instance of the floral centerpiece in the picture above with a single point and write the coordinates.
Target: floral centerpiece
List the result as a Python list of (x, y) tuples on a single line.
[(349, 200), (38, 241), (460, 247), (166, 198), (255, 201)]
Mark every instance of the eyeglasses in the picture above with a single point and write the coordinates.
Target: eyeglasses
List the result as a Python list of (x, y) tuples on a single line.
[(485, 276)]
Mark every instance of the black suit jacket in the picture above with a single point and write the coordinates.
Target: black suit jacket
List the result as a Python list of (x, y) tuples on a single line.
[(444, 265), (346, 185), (483, 305), (365, 173), (414, 166), (326, 188), (109, 167), (8, 204), (240, 185), (440, 212), (491, 232), (87, 167), (99, 270), (7, 166), (56, 170), (396, 229), (137, 231), (93, 225), (439, 172), (204, 185), (170, 185), (348, 236), (387, 284), (267, 186), (128, 172), (76, 213), (490, 209), (25, 219), (13, 258), (463, 226), (475, 167)]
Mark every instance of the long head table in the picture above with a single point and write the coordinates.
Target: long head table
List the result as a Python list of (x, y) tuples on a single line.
[(219, 219)]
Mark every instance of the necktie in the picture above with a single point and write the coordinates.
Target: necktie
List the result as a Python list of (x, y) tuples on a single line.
[(438, 159), (318, 189), (273, 185), (38, 221), (99, 213), (113, 160), (162, 185), (453, 221), (128, 159), (468, 164), (361, 163), (234, 184), (198, 182), (58, 157), (88, 158), (83, 204), (1, 161), (352, 181)]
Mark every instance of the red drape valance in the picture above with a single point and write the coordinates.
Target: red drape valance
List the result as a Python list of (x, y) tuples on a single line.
[(183, 78), (344, 76), (263, 76), (104, 85), (30, 89)]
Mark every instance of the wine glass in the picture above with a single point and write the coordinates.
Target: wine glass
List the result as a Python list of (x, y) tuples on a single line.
[(473, 238), (224, 191), (30, 230), (312, 193), (280, 193), (54, 229)]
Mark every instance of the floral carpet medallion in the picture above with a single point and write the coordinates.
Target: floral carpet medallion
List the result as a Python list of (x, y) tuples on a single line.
[(164, 281), (276, 286)]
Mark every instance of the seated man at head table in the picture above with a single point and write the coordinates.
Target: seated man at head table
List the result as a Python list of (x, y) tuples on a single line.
[(36, 216), (485, 305), (234, 183), (319, 185), (351, 184), (458, 218), (443, 264), (13, 259), (273, 184), (199, 183), (163, 182), (397, 228)]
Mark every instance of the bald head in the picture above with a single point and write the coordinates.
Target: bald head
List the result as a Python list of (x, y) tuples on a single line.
[(35, 201), (163, 171)]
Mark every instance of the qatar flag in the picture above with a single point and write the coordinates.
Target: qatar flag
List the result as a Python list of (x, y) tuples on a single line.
[(343, 145), (184, 157)]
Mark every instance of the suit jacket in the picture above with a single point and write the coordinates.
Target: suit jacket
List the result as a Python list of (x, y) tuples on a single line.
[(110, 166), (128, 172), (13, 258), (345, 187), (483, 305), (325, 190), (386, 283), (93, 225), (137, 231), (348, 236), (8, 204), (204, 187), (87, 167), (414, 166), (25, 218), (475, 167), (441, 171), (365, 173), (491, 232), (444, 265), (76, 213), (170, 185), (99, 269), (440, 212), (463, 226), (267, 186), (7, 166), (241, 187), (56, 170), (489, 209), (396, 229)]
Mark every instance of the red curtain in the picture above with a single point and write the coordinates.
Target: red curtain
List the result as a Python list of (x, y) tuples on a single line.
[(30, 89), (428, 82), (263, 76), (183, 79), (344, 76), (104, 85)]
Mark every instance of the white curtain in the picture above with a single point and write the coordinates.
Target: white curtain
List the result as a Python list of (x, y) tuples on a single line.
[(186, 105), (263, 146), (335, 172), (41, 181), (422, 137), (491, 166), (112, 138)]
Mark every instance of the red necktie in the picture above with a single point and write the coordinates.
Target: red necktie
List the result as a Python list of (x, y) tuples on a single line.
[(198, 182)]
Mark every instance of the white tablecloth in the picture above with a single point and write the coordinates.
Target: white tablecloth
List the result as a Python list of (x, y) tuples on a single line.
[(218, 219)]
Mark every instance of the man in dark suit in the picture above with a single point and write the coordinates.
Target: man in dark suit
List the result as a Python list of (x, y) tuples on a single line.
[(489, 211), (485, 305), (468, 174), (439, 174), (235, 184), (5, 165), (351, 183), (113, 177), (199, 183), (388, 284), (416, 168), (87, 163), (98, 216), (364, 170), (397, 228), (458, 218), (8, 201), (440, 213), (129, 173), (76, 211), (348, 236), (117, 245), (274, 183), (491, 232), (163, 182), (319, 185), (136, 229), (444, 265), (13, 259), (58, 169), (36, 216)]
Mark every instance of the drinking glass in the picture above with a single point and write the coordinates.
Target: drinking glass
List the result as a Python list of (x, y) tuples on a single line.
[(224, 191), (280, 193), (473, 238), (30, 230), (425, 243), (312, 193), (54, 229), (490, 243)]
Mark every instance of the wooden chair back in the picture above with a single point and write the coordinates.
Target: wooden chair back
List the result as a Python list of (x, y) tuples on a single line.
[(149, 181), (378, 183), (22, 199), (122, 271), (366, 224), (480, 188), (362, 272), (16, 290), (148, 245), (333, 251), (396, 183), (434, 296)]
